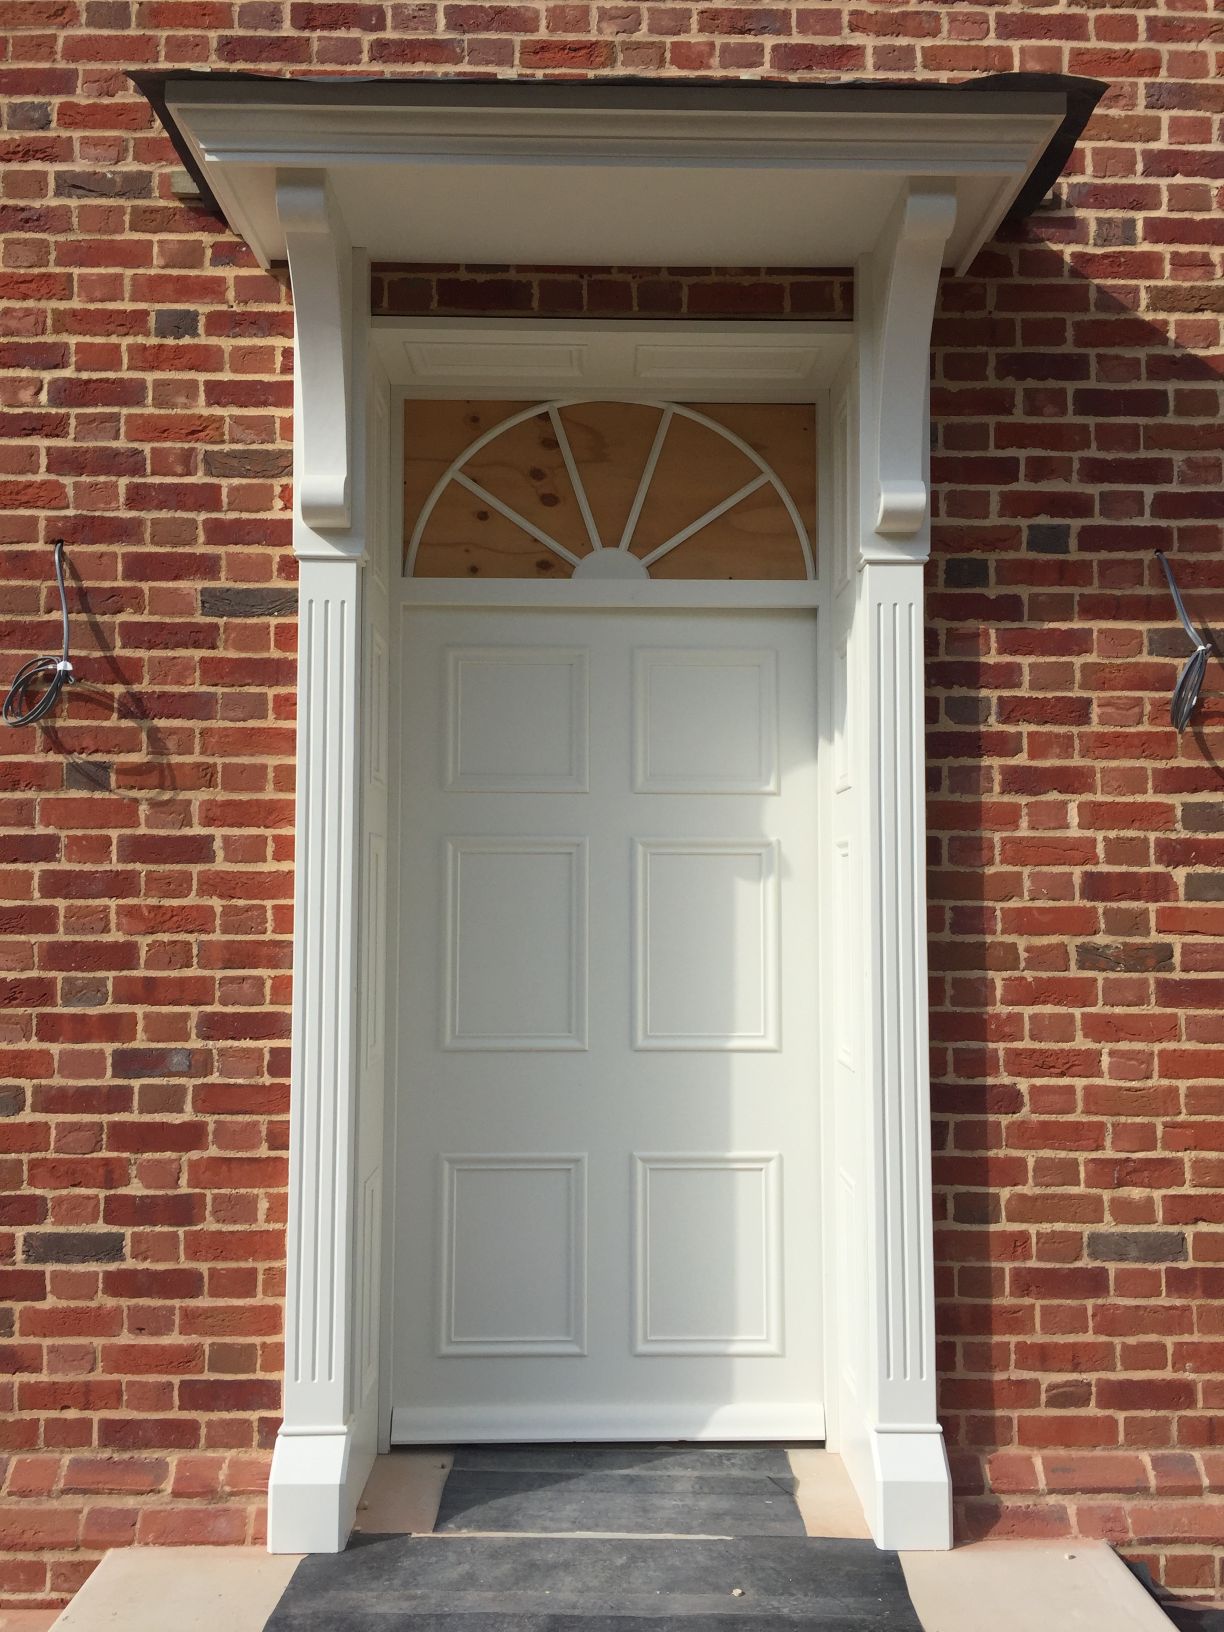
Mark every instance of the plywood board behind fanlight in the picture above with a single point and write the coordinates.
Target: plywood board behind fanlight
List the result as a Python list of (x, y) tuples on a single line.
[(526, 490)]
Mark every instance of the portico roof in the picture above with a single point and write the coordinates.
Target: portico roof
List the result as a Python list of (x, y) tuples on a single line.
[(614, 172)]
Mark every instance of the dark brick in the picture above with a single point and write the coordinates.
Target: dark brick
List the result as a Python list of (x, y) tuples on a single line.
[(176, 323), (1109, 231), (967, 710), (1132, 956), (1137, 1246), (966, 572), (1048, 538), (248, 603), (87, 775), (260, 463), (230, 1394), (153, 1062), (103, 184), (29, 116), (1207, 817), (1170, 641), (1067, 1396), (74, 1247), (12, 1099), (1205, 886)]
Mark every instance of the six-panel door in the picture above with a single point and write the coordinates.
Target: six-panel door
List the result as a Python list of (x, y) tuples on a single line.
[(607, 1206)]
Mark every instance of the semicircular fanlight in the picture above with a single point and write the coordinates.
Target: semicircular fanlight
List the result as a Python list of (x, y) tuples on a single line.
[(593, 488)]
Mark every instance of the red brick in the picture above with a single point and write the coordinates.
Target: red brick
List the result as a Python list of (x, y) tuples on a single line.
[(132, 1476), (1075, 924)]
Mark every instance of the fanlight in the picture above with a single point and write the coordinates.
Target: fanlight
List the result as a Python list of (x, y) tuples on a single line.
[(595, 489)]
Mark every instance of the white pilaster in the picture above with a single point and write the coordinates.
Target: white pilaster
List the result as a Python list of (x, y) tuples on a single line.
[(321, 1461), (897, 1457)]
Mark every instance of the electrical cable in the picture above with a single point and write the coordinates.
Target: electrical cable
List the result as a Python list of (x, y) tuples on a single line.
[(1190, 681), (54, 672)]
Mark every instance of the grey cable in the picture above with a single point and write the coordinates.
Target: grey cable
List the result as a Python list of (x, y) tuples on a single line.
[(55, 672), (1190, 681)]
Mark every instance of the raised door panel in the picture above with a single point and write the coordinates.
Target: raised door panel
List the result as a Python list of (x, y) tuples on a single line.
[(705, 720), (516, 720), (708, 1254), (516, 953), (706, 953), (513, 1270)]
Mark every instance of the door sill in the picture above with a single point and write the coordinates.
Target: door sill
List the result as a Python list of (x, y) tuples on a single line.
[(494, 1424)]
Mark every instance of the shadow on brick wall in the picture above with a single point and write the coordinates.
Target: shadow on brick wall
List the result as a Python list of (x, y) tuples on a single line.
[(105, 730), (1076, 845)]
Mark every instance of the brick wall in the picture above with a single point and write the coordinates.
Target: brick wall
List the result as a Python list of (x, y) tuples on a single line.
[(1077, 900)]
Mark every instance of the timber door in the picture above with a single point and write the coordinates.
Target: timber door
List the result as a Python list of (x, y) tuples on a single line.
[(607, 1202)]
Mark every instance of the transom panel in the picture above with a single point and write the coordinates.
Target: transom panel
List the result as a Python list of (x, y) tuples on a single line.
[(591, 489)]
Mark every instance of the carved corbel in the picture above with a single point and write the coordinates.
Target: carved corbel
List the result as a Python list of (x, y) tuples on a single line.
[(910, 256), (320, 260)]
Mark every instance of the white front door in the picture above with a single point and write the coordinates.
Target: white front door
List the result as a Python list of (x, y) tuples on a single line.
[(607, 1213)]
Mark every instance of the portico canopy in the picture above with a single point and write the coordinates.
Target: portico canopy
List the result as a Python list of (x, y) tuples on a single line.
[(617, 172)]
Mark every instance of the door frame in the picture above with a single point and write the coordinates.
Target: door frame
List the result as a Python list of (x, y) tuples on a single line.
[(612, 376), (867, 596)]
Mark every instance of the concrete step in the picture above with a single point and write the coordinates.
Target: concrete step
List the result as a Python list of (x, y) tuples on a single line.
[(1023, 1586), (597, 1584)]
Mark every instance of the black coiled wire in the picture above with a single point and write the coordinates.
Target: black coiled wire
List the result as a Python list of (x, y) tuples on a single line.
[(1190, 681), (52, 673)]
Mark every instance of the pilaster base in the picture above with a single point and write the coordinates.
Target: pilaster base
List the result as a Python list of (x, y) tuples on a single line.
[(316, 1481), (911, 1504)]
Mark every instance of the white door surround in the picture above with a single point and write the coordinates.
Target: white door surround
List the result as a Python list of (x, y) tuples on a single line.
[(879, 1309), (899, 181), (878, 1312)]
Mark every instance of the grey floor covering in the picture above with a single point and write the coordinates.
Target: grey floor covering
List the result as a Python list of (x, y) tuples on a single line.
[(683, 1491), (488, 1569)]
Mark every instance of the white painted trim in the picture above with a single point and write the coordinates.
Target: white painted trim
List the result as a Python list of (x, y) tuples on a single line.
[(514, 358), (911, 1495), (321, 269), (315, 1485), (575, 594), (909, 258), (752, 156), (902, 1316), (576, 482), (558, 1423)]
